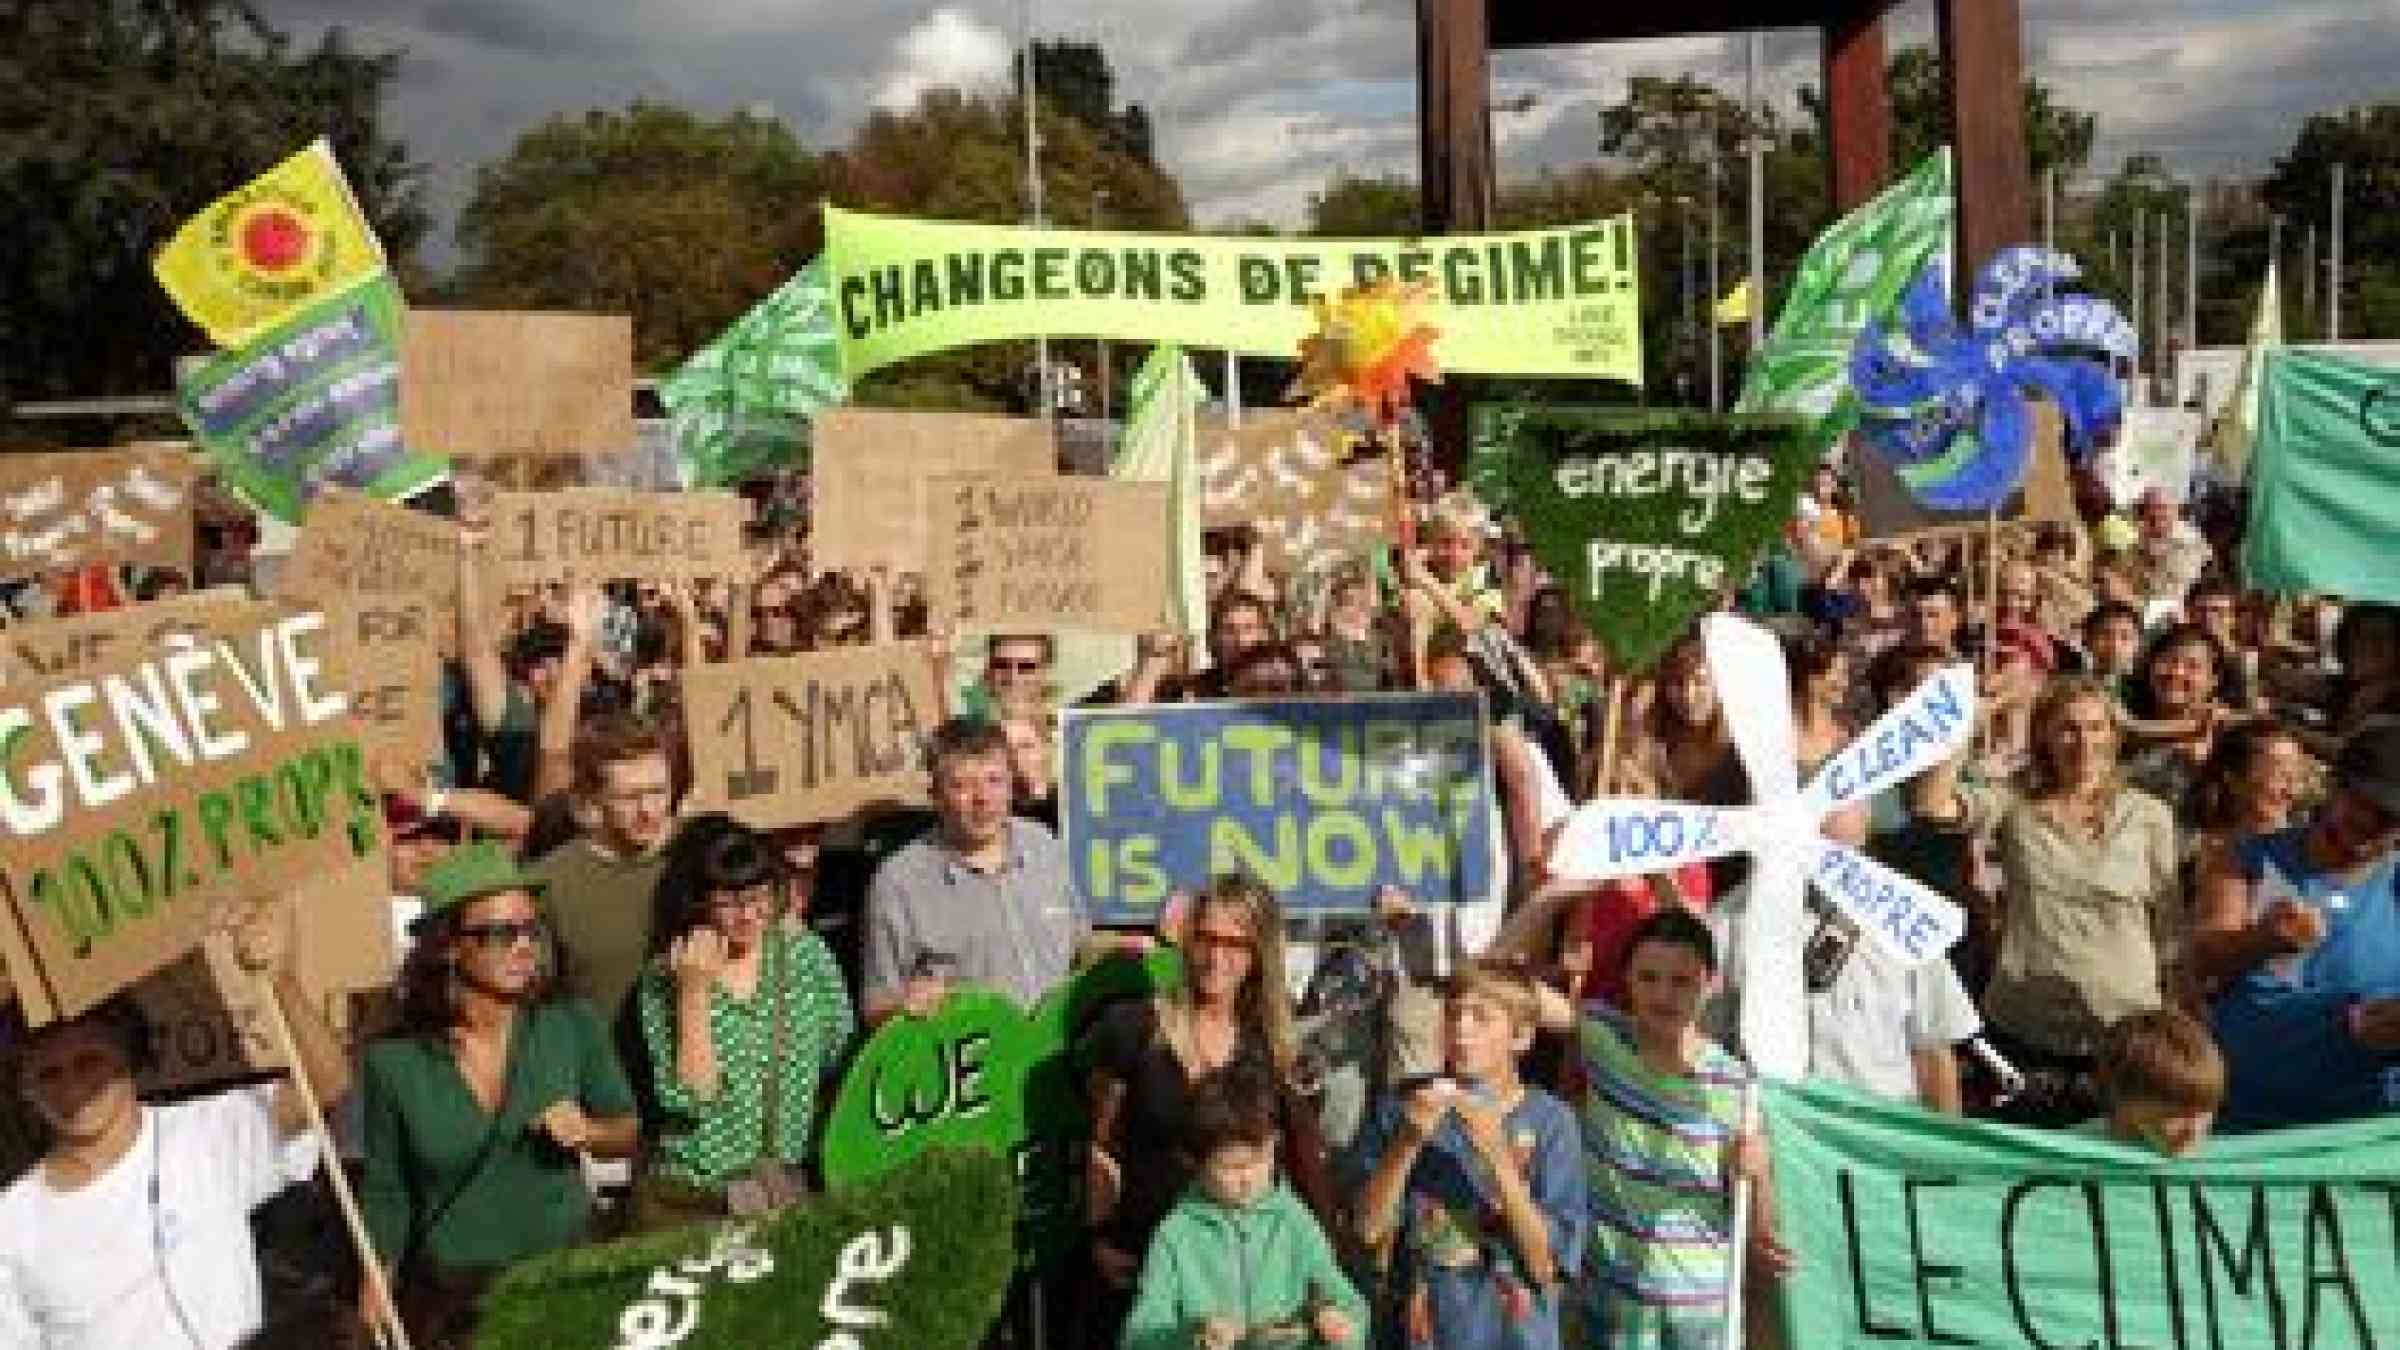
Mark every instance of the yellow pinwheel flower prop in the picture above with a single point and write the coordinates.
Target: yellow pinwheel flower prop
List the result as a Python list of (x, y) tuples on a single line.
[(1369, 343)]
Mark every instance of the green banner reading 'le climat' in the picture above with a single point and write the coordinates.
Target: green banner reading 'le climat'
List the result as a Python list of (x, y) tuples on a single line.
[(1916, 1230), (1557, 302)]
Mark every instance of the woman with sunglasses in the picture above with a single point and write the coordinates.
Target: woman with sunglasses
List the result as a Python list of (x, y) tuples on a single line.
[(478, 1108), (744, 1015), (1145, 1060)]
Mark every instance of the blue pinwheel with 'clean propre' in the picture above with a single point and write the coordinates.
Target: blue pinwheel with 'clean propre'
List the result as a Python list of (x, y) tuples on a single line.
[(1947, 405)]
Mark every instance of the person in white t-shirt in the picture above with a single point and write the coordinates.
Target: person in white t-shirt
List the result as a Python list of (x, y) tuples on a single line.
[(134, 1228)]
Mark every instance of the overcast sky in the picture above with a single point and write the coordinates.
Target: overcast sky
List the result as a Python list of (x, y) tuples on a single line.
[(1256, 101)]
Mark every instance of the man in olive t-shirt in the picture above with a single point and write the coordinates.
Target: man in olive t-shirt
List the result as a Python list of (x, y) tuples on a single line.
[(599, 885)]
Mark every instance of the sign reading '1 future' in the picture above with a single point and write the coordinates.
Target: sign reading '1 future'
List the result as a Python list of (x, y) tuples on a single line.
[(1325, 801)]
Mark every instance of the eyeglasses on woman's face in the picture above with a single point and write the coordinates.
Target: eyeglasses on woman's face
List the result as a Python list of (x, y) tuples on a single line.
[(504, 934)]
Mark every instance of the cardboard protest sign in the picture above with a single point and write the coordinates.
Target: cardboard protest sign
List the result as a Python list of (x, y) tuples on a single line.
[(1286, 475), (920, 1261), (1886, 508), (605, 535), (1925, 1230), (793, 740), (53, 649), (1324, 800), (65, 508), (1047, 553), (387, 579), (313, 401), (1561, 301), (207, 1025), (870, 469), (510, 383), (1647, 520), (140, 790)]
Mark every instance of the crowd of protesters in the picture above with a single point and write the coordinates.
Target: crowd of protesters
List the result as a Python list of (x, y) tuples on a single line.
[(1514, 1121)]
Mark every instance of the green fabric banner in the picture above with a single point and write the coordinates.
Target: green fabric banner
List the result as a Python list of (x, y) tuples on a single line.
[(743, 403), (1921, 1230), (1854, 272), (2325, 479), (1561, 301), (315, 399)]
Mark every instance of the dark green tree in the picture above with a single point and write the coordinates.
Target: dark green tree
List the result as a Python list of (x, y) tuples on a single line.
[(2365, 141), (680, 222), (1076, 79), (119, 119)]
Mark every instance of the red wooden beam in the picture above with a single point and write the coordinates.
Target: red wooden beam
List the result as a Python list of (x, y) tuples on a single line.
[(1983, 72), (1858, 107)]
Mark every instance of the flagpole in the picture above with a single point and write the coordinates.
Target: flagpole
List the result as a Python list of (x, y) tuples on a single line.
[(1758, 204), (1033, 197)]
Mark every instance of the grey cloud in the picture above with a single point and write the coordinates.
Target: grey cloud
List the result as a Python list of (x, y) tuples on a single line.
[(519, 27)]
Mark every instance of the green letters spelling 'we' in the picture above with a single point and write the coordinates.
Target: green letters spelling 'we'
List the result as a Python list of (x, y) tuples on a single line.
[(1918, 1230)]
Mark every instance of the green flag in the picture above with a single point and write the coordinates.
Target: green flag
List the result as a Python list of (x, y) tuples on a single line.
[(1918, 1230), (744, 401), (1853, 273), (2325, 479)]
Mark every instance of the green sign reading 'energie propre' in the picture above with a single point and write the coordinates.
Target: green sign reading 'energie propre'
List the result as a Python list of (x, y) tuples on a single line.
[(1562, 302)]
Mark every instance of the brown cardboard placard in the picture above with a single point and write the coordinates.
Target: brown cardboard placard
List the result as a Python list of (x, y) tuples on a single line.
[(1041, 553), (387, 579), (794, 740), (1887, 510), (208, 1026), (599, 534), (64, 508), (1285, 474), (869, 467), (516, 383), (151, 785), (51, 649)]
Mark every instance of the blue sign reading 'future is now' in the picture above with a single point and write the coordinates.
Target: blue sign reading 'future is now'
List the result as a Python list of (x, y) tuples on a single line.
[(1324, 800)]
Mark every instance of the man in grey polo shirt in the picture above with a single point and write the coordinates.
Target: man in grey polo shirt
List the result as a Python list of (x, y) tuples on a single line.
[(982, 899)]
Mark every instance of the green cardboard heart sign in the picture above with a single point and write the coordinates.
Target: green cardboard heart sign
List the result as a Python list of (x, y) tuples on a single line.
[(891, 1266), (983, 1073), (1647, 519)]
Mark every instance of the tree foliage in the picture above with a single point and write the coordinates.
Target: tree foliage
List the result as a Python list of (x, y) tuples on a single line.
[(2366, 142), (1076, 79), (960, 157), (682, 223), (122, 119)]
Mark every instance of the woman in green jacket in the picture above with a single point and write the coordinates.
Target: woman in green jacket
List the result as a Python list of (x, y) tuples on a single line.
[(478, 1109)]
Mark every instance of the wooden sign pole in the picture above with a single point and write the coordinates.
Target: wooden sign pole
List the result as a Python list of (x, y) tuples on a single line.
[(392, 1335)]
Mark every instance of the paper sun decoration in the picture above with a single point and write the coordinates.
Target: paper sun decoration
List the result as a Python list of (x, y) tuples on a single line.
[(1367, 346), (1622, 837), (1947, 406)]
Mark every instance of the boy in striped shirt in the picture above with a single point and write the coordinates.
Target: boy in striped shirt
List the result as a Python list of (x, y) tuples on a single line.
[(1665, 1138)]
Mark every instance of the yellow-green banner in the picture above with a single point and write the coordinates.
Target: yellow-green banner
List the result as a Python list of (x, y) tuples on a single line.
[(1561, 302)]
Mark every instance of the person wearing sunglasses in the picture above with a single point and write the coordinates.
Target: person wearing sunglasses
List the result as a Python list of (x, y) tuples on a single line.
[(1016, 674), (744, 1017), (479, 1107)]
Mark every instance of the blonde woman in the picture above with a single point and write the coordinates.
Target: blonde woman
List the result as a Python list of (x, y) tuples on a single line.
[(1146, 1058), (2088, 913)]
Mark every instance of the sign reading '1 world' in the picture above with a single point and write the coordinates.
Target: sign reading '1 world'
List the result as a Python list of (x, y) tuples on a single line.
[(1325, 801)]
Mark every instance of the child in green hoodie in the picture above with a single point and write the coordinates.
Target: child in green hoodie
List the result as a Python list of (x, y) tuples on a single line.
[(1239, 1263)]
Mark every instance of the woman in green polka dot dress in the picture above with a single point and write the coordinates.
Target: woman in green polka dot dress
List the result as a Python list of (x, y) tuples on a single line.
[(731, 950)]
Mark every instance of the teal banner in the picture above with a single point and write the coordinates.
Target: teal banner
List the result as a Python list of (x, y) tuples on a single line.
[(1920, 1230), (2325, 479)]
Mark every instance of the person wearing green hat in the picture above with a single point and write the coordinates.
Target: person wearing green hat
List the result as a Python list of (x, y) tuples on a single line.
[(478, 1107)]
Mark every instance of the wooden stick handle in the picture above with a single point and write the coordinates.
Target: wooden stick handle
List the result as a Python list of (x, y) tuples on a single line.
[(392, 1334)]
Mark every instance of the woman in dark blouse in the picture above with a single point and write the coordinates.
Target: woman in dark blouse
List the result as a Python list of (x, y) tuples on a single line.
[(1144, 1060)]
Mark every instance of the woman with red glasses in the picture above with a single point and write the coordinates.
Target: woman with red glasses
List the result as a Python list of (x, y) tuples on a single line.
[(744, 1016), (479, 1108), (1231, 1008)]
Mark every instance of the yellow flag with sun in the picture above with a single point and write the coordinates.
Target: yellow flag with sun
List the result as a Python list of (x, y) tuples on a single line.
[(288, 237)]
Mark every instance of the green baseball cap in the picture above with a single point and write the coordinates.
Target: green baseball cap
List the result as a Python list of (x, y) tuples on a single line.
[(470, 872)]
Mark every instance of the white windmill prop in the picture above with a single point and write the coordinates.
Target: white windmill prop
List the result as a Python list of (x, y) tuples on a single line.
[(1782, 829)]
